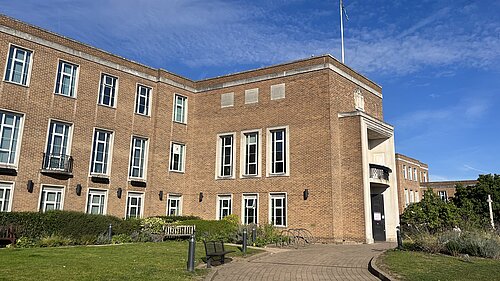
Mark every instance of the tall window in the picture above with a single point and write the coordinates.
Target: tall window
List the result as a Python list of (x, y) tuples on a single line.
[(443, 195), (223, 206), (174, 205), (10, 125), (250, 209), (417, 197), (410, 177), (57, 151), (142, 100), (425, 177), (180, 109), (412, 196), (278, 152), (407, 197), (107, 91), (66, 79), (415, 174), (226, 155), (251, 154), (101, 152), (5, 196), (278, 209), (51, 198), (18, 65), (404, 172), (138, 157), (177, 156), (96, 202), (134, 205)]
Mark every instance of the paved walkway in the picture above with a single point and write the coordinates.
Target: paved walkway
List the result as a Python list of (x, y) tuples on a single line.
[(315, 262)]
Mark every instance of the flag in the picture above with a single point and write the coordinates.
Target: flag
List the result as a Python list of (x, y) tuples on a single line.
[(345, 12)]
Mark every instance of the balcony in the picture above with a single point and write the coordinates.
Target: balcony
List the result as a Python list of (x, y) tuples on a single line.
[(380, 174), (57, 164)]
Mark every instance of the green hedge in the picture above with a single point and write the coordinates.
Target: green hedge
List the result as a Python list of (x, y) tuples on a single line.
[(80, 227), (173, 219), (223, 230)]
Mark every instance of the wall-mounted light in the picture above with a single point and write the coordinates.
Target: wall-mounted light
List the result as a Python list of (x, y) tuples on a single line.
[(30, 186), (119, 192), (201, 197), (306, 194), (160, 195), (78, 189)]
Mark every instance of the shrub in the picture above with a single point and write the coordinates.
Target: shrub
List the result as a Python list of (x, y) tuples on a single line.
[(214, 229), (121, 238), (267, 234), (26, 242), (177, 219), (54, 241)]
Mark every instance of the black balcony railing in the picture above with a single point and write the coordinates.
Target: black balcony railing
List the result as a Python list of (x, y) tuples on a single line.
[(379, 172), (57, 163)]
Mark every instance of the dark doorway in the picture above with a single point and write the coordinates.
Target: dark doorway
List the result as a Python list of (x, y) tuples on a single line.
[(378, 217)]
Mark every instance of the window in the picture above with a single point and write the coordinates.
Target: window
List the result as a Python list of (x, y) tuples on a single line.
[(250, 154), (142, 100), (51, 198), (18, 65), (412, 196), (66, 79), (180, 109), (57, 152), (278, 151), (250, 204), (278, 91), (174, 205), (278, 209), (425, 177), (407, 198), (134, 205), (107, 91), (417, 197), (101, 152), (96, 202), (415, 174), (5, 196), (10, 125), (404, 172), (138, 153), (223, 206), (410, 177), (226, 156), (177, 157), (443, 195)]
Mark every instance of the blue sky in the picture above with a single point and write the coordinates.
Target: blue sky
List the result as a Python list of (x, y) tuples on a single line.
[(437, 61)]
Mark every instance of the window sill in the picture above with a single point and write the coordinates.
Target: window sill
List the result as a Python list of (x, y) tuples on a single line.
[(17, 84), (177, 172), (137, 182), (225, 178), (107, 106), (8, 170), (143, 115), (65, 96), (180, 123), (99, 178), (278, 175), (250, 176)]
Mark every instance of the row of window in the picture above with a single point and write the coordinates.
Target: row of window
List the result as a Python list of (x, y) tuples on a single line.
[(411, 196), (407, 173), (252, 95), (18, 71)]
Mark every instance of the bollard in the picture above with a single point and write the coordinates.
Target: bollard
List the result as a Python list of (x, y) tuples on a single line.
[(244, 241), (254, 234), (398, 235), (110, 231), (190, 261)]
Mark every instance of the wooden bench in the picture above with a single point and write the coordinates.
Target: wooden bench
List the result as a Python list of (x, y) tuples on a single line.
[(175, 231), (214, 249), (7, 234)]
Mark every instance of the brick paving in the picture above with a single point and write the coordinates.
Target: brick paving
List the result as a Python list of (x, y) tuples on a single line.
[(316, 262)]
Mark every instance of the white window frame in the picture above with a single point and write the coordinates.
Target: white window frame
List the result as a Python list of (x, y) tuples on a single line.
[(220, 199), (73, 76), (407, 197), (24, 62), (415, 174), (113, 99), (182, 119), (51, 141), (6, 186), (134, 194), (93, 154), (417, 196), (425, 177), (17, 149), (272, 212), (147, 97), (270, 148), (178, 208), (404, 172), (443, 194), (219, 165), (244, 206), (410, 174), (42, 206), (412, 196), (243, 153), (181, 154), (103, 194), (144, 159)]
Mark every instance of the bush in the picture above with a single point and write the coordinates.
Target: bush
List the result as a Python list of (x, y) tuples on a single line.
[(54, 241), (121, 238), (267, 234), (224, 230), (177, 219)]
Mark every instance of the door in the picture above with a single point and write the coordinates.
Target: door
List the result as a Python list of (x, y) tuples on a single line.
[(378, 217)]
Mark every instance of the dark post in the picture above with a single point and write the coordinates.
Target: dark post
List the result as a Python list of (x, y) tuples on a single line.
[(190, 261), (110, 231), (254, 234), (244, 241), (400, 240)]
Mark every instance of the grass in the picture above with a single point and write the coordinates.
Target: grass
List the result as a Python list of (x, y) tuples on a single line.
[(140, 261), (409, 266)]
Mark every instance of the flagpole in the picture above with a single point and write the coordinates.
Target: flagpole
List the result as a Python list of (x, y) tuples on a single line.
[(342, 29)]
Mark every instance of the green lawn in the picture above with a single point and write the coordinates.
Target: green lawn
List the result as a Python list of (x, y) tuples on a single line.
[(140, 261), (422, 266)]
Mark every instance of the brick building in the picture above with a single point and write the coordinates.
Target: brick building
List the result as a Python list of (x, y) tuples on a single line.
[(411, 175), (446, 189), (298, 145)]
